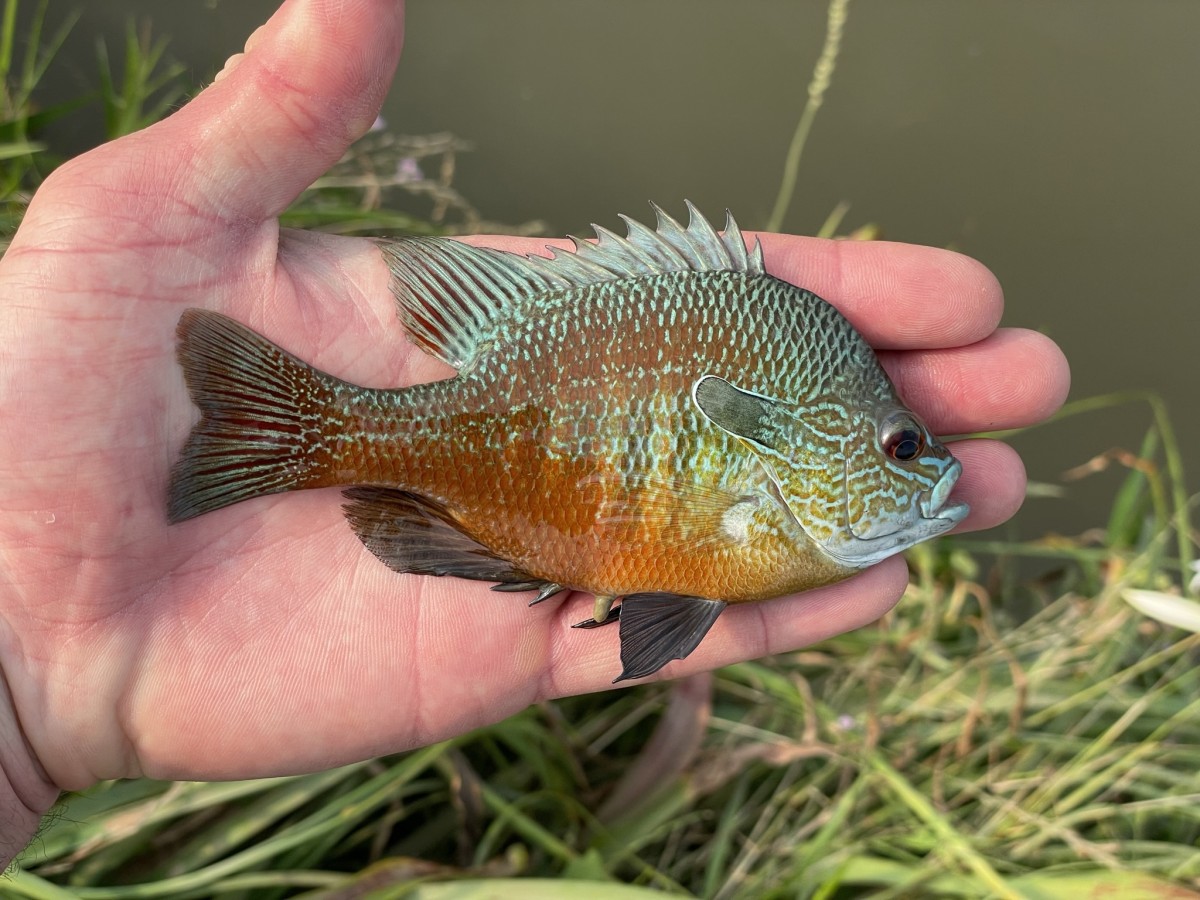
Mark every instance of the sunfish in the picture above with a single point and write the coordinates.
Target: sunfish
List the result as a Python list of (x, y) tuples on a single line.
[(650, 418)]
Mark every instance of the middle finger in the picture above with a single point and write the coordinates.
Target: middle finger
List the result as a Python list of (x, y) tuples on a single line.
[(1010, 379)]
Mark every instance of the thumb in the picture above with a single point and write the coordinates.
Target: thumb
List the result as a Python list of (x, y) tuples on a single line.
[(309, 83)]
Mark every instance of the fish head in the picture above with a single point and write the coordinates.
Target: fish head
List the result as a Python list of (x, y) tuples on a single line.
[(895, 483), (863, 477)]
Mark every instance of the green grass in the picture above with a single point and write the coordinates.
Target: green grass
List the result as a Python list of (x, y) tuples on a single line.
[(988, 738), (994, 736), (952, 750)]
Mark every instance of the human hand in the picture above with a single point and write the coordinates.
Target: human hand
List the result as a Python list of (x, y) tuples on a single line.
[(263, 639)]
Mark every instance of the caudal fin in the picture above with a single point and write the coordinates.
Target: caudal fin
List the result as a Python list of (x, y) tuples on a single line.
[(262, 412)]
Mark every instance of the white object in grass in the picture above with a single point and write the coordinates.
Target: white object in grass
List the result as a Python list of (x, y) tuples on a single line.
[(1170, 609)]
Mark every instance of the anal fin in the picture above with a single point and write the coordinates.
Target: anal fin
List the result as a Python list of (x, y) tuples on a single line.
[(414, 534), (657, 628)]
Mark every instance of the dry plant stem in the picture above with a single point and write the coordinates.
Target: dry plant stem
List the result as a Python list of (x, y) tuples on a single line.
[(822, 77), (670, 750), (1171, 454)]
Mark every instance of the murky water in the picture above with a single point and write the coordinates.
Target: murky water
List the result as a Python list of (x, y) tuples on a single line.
[(1059, 143)]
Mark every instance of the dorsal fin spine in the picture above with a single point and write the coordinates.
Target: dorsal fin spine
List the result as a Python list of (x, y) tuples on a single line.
[(708, 241), (662, 251), (733, 242)]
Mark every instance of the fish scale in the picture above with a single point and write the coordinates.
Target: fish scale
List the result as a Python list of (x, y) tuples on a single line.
[(490, 419), (652, 418)]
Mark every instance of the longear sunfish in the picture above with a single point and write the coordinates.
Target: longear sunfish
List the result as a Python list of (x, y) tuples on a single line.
[(649, 418)]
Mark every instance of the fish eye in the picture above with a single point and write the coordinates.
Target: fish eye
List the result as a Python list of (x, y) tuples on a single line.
[(903, 439)]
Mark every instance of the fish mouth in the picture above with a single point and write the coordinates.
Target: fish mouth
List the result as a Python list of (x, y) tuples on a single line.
[(936, 503), (938, 514)]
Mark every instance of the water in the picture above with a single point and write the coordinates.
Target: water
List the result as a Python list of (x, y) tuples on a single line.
[(1057, 142)]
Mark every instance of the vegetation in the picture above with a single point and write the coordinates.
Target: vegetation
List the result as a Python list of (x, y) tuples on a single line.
[(960, 748), (994, 736)]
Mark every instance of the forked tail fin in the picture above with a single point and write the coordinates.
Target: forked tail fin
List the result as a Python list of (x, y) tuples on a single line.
[(263, 415)]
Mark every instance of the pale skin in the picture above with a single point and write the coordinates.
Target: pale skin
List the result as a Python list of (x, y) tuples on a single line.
[(263, 639)]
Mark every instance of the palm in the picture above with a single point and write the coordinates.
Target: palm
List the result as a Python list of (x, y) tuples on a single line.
[(263, 638), (276, 595)]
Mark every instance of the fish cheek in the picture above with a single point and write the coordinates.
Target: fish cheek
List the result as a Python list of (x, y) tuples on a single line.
[(808, 470), (802, 460), (815, 502), (751, 419), (880, 495)]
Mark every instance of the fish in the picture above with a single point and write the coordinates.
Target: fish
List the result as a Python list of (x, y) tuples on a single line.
[(649, 418)]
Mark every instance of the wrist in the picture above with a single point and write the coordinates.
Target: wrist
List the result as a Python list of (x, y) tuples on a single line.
[(26, 792)]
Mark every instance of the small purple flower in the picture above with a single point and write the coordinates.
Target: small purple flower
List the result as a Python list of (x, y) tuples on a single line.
[(407, 171)]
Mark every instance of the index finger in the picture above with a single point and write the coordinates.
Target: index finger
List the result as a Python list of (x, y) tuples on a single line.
[(898, 296)]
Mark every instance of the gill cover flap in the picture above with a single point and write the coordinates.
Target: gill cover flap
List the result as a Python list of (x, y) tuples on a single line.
[(450, 294), (743, 414)]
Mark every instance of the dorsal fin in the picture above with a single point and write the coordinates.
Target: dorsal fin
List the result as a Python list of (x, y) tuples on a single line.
[(669, 248), (450, 293)]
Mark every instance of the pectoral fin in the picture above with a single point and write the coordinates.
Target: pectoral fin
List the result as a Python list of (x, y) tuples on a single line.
[(545, 589), (657, 628), (413, 534)]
